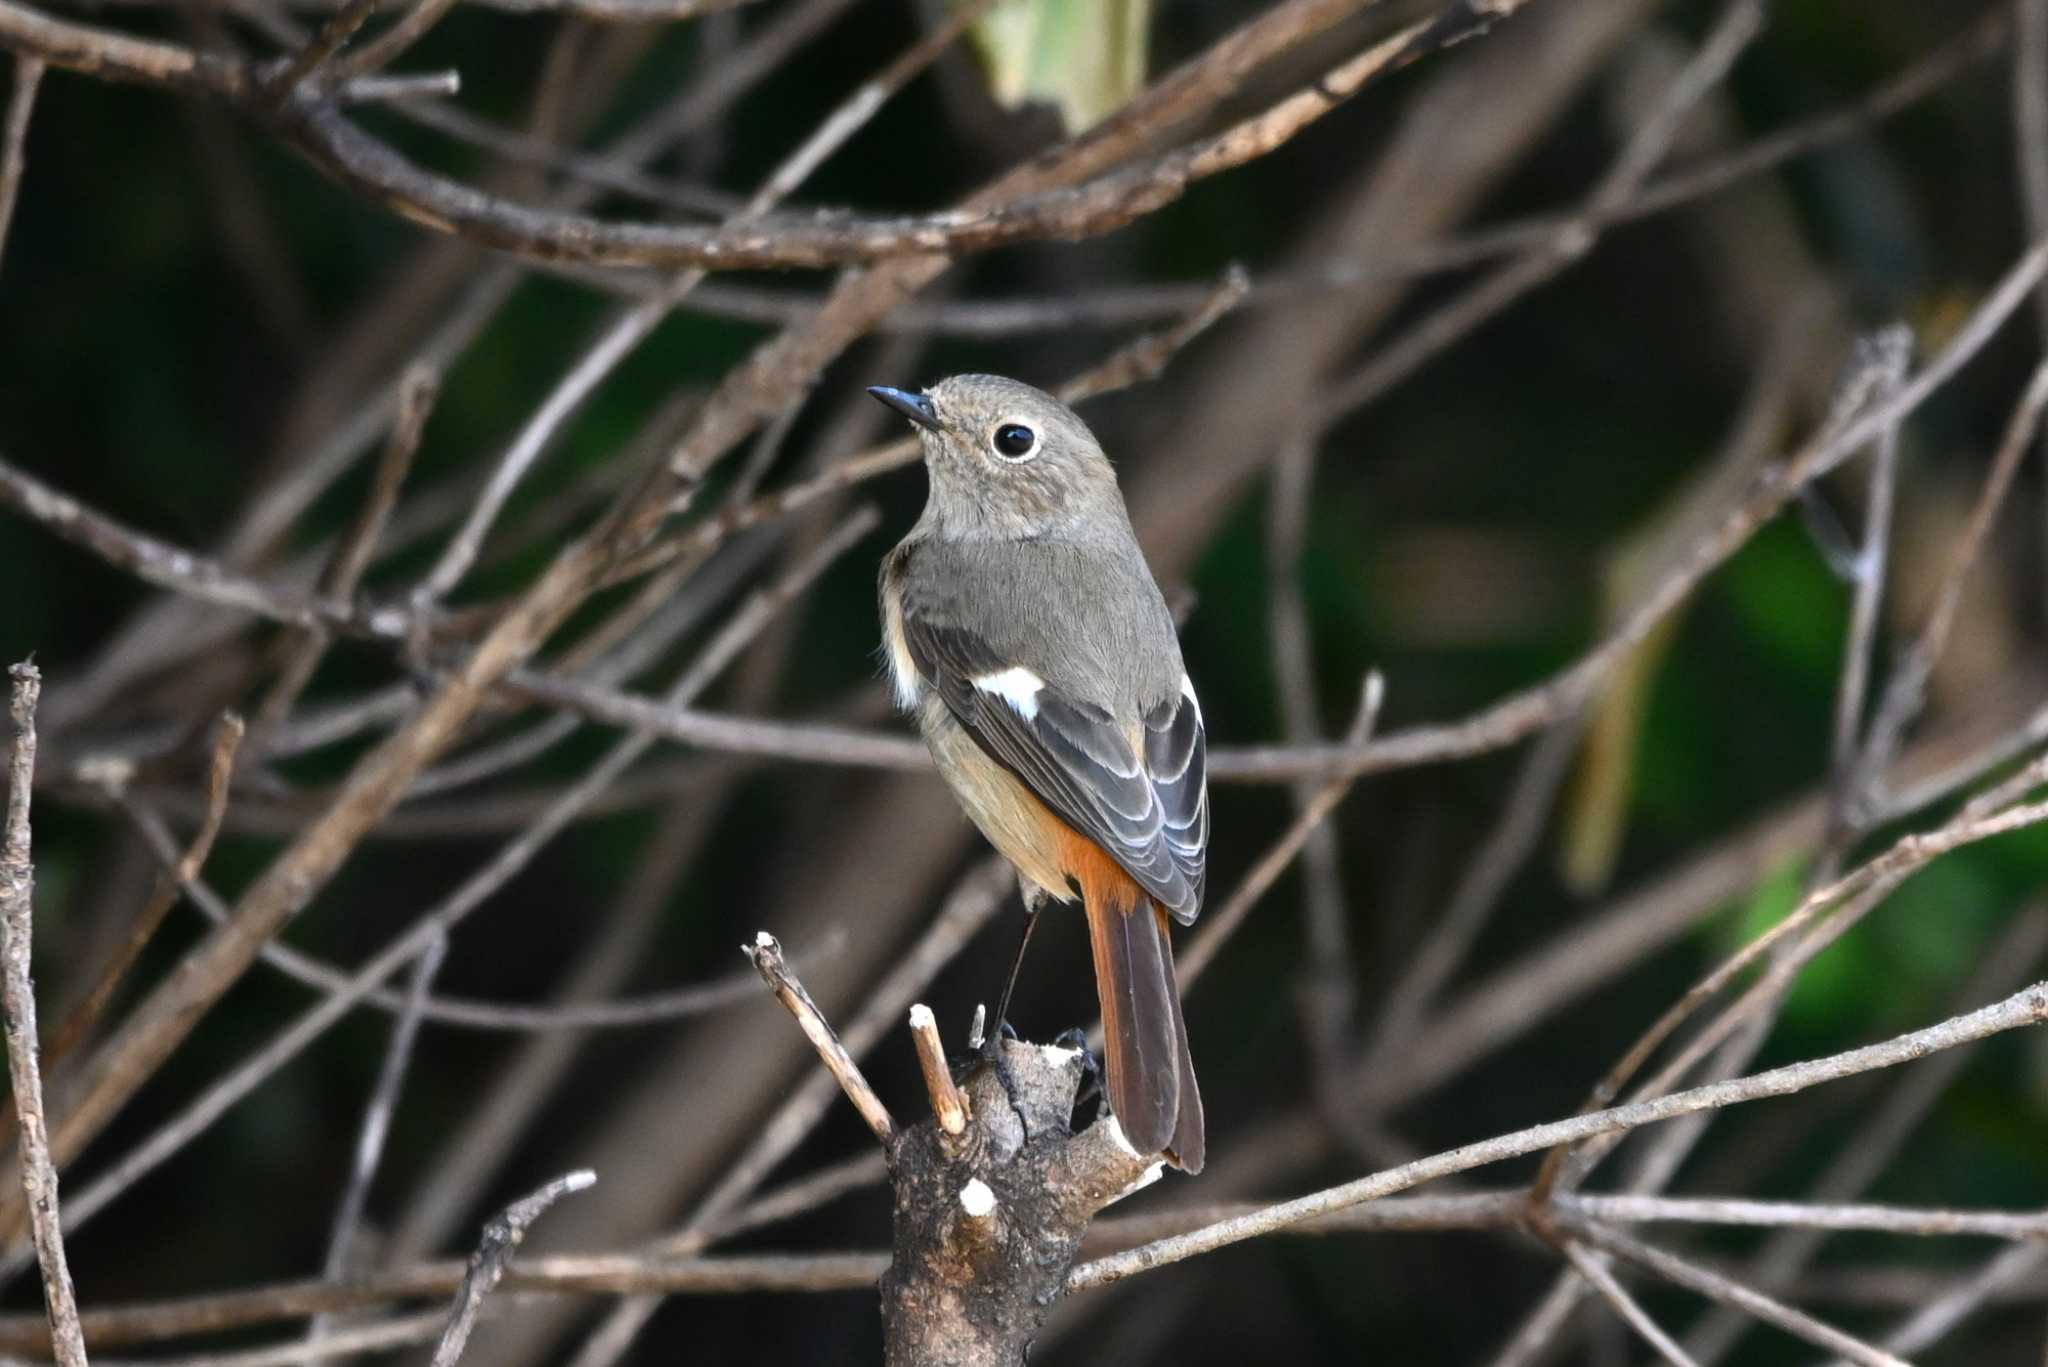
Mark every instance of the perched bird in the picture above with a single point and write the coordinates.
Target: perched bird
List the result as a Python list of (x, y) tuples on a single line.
[(1024, 630)]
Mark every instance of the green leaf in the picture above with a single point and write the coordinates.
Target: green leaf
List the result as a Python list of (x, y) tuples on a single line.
[(1084, 57)]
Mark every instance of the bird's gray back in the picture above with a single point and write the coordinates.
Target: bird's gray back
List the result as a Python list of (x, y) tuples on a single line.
[(1085, 616)]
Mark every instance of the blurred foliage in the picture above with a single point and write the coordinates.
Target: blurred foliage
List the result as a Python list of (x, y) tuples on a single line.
[(1085, 57)]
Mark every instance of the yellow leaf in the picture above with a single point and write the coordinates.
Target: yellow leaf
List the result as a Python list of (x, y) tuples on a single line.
[(1084, 57)]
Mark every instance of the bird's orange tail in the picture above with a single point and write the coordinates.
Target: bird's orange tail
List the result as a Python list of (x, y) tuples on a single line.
[(1145, 1041)]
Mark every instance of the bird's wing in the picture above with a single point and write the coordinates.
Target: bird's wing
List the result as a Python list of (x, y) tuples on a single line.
[(1138, 788)]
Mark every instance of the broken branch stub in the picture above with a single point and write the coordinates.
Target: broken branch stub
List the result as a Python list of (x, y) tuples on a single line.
[(988, 1221)]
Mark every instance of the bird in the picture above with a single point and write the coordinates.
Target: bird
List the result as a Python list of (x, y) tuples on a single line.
[(1025, 633)]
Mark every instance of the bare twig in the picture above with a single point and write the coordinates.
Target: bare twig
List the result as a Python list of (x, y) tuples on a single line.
[(327, 40), (181, 870), (766, 955), (376, 1126), (354, 549), (1878, 1140), (1712, 1284), (501, 1239), (17, 994), (1221, 923), (949, 1104), (1601, 1280), (622, 1273), (1736, 28), (626, 331), (1906, 691), (1110, 200), (21, 101), (652, 1008), (1884, 358), (2028, 1007), (1141, 359), (240, 1081)]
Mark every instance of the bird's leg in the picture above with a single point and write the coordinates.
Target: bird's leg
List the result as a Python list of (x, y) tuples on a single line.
[(1034, 898), (992, 1041), (1076, 1039)]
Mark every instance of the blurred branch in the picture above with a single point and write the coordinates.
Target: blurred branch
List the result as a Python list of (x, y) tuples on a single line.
[(1906, 691), (175, 1133), (180, 870), (1118, 305), (21, 101), (1601, 1280), (627, 330), (1517, 716), (1707, 1282), (1143, 358), (376, 1124), (651, 1008)]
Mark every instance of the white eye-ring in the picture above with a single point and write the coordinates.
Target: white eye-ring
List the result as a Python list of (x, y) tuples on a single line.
[(1014, 441)]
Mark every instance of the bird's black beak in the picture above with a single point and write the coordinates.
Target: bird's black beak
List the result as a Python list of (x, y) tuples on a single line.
[(913, 406)]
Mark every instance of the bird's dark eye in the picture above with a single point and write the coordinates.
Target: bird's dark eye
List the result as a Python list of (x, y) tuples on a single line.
[(1015, 441)]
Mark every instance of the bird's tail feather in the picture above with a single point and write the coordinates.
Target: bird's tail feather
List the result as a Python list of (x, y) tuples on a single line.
[(1145, 1040)]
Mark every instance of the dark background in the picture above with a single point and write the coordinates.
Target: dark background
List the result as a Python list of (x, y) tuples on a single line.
[(184, 308)]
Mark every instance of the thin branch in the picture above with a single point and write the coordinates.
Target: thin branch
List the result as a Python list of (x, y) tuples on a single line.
[(1220, 924), (148, 559), (1595, 1272), (949, 1104), (196, 1118), (1884, 357), (1855, 894), (327, 40), (1905, 694), (180, 870), (1114, 306), (18, 996), (501, 1239), (1709, 1283), (1737, 27), (645, 1272), (766, 955), (21, 102), (376, 1126), (628, 329), (353, 550), (1517, 716), (2025, 1008), (1932, 1320), (1879, 1138), (1143, 358), (651, 1008)]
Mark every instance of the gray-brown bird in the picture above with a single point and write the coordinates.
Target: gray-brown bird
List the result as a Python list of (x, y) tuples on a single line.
[(1024, 630)]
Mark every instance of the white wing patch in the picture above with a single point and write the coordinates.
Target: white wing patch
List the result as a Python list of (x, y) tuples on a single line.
[(1017, 686), (1187, 690)]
